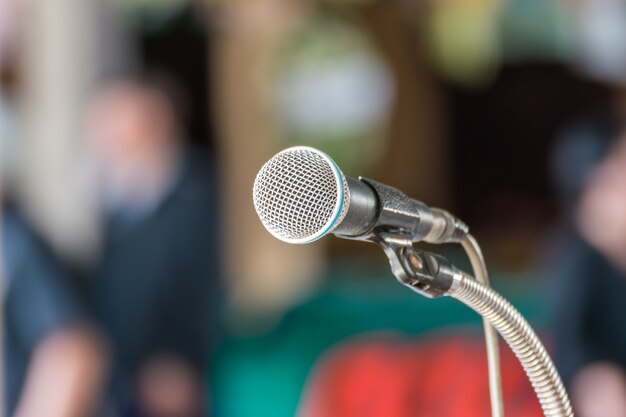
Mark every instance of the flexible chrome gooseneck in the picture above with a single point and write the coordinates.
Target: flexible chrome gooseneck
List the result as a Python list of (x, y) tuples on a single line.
[(522, 340), (434, 275)]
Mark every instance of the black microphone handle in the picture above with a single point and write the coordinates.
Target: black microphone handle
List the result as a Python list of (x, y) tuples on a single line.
[(377, 209)]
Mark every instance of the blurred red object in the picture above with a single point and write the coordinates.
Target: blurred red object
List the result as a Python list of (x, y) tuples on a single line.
[(392, 377)]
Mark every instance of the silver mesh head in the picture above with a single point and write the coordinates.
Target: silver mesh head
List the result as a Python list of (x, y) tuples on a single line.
[(300, 195)]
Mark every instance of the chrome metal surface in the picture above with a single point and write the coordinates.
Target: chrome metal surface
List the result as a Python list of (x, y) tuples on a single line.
[(523, 341), (475, 255), (439, 277)]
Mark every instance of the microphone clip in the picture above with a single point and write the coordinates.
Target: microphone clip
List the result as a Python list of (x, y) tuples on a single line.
[(426, 273)]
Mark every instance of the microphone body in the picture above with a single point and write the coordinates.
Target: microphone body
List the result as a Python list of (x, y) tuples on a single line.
[(300, 195)]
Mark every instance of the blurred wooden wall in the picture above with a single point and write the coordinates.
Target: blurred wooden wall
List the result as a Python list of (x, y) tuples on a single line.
[(266, 273)]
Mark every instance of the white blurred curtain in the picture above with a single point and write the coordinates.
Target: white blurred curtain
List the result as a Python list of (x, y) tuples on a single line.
[(65, 46)]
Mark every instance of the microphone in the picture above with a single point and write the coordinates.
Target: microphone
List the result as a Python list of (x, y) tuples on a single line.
[(301, 195)]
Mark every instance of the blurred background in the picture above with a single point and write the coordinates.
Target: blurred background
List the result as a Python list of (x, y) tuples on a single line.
[(138, 281)]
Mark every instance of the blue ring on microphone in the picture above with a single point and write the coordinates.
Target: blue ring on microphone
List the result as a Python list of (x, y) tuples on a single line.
[(343, 197)]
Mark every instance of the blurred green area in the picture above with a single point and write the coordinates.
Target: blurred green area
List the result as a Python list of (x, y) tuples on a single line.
[(264, 375)]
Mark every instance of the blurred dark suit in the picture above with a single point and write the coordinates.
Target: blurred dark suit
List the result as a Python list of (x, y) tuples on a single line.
[(156, 289), (39, 298), (590, 310)]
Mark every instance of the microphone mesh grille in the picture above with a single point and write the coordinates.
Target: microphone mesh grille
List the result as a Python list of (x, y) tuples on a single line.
[(296, 195)]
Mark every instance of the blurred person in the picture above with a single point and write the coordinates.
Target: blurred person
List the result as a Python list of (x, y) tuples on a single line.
[(55, 358), (591, 310), (155, 289)]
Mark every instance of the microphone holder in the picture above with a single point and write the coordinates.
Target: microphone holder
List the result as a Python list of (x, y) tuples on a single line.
[(433, 275)]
